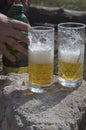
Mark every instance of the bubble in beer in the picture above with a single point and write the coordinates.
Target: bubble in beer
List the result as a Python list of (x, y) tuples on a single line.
[(71, 55)]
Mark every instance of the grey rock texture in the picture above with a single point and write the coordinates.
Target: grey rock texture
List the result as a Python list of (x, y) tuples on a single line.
[(60, 109), (52, 15)]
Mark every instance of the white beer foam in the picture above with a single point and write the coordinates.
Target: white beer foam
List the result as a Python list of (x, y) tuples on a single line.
[(73, 55), (41, 55)]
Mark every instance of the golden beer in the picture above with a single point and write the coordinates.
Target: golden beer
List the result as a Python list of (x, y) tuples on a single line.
[(70, 64), (40, 73), (70, 71)]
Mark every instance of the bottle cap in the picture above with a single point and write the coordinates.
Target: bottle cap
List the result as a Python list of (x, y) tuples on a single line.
[(18, 7)]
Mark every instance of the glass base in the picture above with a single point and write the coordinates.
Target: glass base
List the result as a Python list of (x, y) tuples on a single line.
[(39, 88), (69, 83)]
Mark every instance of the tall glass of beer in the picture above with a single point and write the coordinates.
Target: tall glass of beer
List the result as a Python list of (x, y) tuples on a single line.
[(41, 58), (71, 44)]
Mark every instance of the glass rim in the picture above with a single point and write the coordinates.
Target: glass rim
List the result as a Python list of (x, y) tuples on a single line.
[(41, 28), (75, 25)]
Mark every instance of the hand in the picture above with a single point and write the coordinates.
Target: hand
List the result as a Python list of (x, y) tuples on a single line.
[(26, 3), (9, 32)]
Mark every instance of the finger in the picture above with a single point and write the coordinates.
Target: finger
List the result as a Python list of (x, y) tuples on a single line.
[(17, 46), (25, 3), (19, 25), (10, 1), (17, 1), (19, 35), (29, 2), (6, 53)]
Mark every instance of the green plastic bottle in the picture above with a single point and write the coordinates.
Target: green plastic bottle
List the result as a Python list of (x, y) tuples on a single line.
[(21, 64)]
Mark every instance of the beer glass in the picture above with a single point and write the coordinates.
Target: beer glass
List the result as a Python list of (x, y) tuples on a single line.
[(41, 58), (71, 44)]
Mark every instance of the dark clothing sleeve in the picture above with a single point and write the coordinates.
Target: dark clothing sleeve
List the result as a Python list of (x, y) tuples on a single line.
[(4, 6)]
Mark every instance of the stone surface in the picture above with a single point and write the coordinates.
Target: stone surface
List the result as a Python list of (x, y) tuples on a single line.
[(60, 109)]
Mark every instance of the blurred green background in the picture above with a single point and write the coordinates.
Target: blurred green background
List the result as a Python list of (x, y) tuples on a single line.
[(68, 4)]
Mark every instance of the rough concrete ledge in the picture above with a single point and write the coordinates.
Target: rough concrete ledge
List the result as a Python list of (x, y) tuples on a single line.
[(56, 110)]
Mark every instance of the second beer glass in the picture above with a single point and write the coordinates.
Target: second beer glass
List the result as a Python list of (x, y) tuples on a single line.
[(71, 43), (41, 58)]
